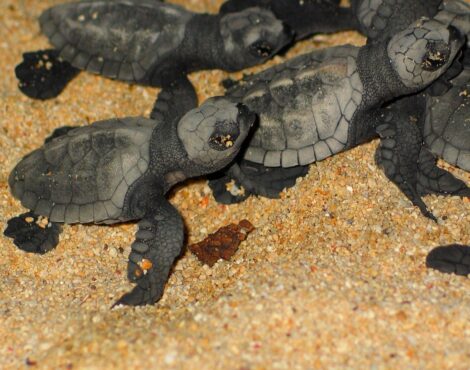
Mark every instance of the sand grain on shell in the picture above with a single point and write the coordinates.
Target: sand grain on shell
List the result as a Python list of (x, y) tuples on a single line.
[(332, 277)]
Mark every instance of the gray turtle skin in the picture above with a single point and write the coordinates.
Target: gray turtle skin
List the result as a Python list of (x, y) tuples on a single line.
[(447, 123), (409, 148), (304, 17), (148, 42), (327, 101), (120, 170), (379, 19)]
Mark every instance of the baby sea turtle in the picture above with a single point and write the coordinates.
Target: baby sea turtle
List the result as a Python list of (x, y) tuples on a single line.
[(120, 170), (304, 17), (327, 101), (379, 19), (145, 42)]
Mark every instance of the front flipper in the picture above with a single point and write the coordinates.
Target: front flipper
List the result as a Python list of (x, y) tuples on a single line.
[(398, 155), (30, 235), (175, 99), (158, 242), (450, 259), (435, 180), (247, 178), (42, 75)]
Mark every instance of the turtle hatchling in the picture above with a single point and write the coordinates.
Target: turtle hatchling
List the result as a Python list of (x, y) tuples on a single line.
[(145, 42), (322, 103), (120, 170)]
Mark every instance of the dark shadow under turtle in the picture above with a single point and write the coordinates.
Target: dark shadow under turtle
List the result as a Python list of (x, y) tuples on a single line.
[(119, 170)]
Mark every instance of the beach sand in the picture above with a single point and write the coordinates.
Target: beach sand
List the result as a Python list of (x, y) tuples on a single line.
[(333, 276)]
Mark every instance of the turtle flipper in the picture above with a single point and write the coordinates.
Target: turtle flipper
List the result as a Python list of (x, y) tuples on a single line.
[(450, 259), (398, 155), (175, 99), (226, 190), (31, 237), (158, 242), (435, 180), (42, 75), (247, 178)]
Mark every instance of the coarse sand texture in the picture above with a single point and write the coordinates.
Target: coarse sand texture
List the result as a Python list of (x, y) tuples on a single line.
[(333, 276)]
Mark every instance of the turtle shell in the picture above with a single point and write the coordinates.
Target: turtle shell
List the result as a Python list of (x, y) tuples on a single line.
[(305, 107), (381, 19), (121, 39), (83, 176), (447, 123)]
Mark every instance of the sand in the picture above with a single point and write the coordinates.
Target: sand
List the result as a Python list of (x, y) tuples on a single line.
[(334, 275)]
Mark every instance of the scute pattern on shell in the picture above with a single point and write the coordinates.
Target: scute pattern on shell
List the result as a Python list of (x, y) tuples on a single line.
[(290, 132), (83, 176), (121, 39)]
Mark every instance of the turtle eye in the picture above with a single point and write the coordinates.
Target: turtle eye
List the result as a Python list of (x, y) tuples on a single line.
[(261, 49), (437, 55), (223, 138)]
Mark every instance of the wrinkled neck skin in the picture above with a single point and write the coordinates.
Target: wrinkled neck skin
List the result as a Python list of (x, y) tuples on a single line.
[(381, 86), (202, 45), (169, 163), (380, 80)]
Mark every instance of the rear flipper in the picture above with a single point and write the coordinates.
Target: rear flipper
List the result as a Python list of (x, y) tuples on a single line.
[(227, 190), (31, 235), (435, 180), (42, 75), (246, 178), (158, 242), (398, 155), (450, 259)]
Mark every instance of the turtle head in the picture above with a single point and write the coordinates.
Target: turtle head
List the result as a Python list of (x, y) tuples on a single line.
[(213, 134), (423, 52), (251, 37)]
